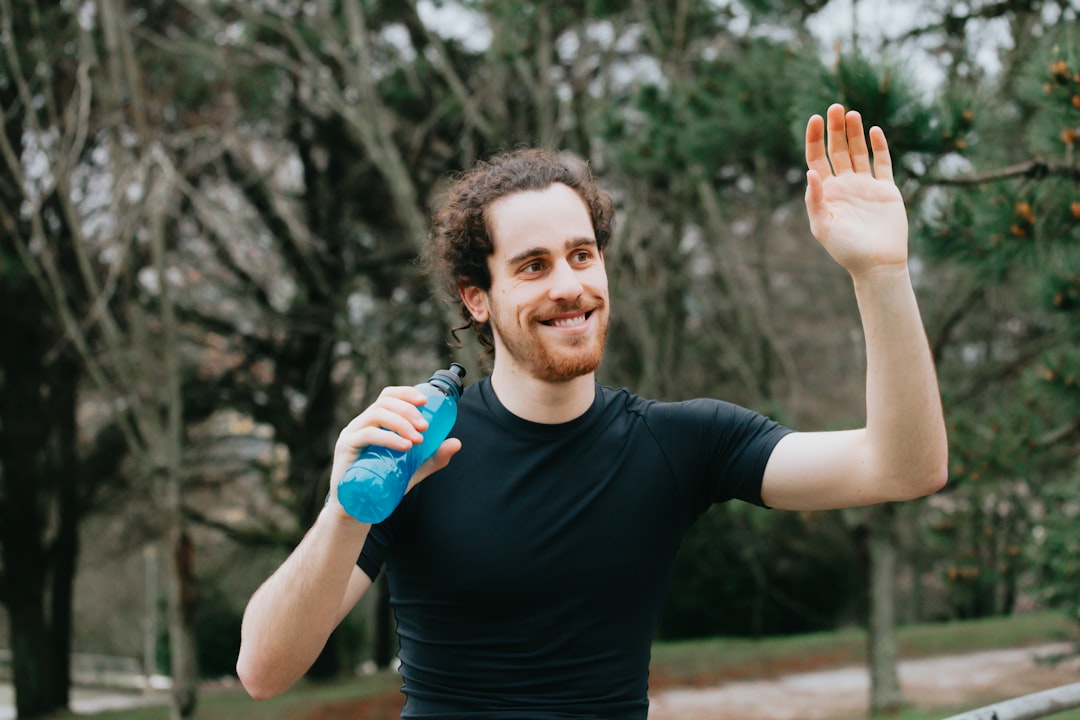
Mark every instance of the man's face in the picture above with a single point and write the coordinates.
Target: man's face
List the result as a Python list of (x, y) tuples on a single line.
[(548, 302)]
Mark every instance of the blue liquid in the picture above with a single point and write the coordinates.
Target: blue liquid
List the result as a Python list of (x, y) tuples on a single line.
[(374, 485)]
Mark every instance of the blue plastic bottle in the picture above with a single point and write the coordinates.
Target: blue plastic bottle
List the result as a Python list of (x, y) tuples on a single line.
[(375, 483)]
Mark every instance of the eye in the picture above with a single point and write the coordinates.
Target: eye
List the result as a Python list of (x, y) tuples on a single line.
[(582, 256), (532, 267)]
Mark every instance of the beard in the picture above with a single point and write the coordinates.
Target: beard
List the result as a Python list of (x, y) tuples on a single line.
[(554, 360)]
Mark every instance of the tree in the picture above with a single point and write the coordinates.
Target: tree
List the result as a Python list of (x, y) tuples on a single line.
[(90, 195), (44, 489), (50, 473), (1011, 222)]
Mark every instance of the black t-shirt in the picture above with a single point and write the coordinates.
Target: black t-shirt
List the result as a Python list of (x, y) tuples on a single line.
[(527, 576)]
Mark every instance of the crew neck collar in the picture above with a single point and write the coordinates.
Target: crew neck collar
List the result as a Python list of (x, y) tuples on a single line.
[(504, 416)]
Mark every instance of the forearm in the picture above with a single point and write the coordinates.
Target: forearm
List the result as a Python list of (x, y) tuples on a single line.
[(289, 618), (857, 213), (905, 428)]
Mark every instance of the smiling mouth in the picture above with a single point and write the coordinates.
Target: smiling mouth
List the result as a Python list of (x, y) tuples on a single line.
[(568, 322)]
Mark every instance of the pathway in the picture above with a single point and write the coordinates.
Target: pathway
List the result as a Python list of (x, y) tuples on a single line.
[(958, 681)]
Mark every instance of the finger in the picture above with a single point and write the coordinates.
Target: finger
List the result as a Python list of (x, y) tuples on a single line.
[(837, 137), (883, 169), (396, 416), (403, 403), (436, 462), (381, 428), (816, 159), (403, 392), (375, 427), (857, 150)]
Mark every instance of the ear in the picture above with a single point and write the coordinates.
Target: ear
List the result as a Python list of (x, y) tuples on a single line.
[(475, 300)]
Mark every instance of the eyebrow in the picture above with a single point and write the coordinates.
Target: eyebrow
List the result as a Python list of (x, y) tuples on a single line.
[(571, 244)]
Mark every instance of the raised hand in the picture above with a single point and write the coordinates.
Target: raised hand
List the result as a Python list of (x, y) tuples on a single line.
[(856, 211)]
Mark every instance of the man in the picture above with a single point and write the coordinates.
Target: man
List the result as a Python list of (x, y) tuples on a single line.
[(528, 574)]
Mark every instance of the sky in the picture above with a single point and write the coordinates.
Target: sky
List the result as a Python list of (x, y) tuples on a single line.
[(877, 21)]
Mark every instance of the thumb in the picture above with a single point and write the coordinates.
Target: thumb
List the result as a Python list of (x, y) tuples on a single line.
[(436, 462), (816, 209)]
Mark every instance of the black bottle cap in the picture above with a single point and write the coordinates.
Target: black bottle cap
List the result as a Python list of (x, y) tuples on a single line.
[(451, 380)]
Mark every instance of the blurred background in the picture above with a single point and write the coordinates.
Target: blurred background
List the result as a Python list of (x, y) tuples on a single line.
[(210, 215)]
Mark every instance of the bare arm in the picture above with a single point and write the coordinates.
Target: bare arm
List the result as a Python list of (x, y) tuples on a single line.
[(289, 618), (857, 213)]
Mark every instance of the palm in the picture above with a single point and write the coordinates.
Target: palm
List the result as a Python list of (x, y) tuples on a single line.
[(856, 212)]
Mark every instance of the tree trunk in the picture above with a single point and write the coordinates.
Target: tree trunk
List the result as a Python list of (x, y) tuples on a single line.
[(32, 663), (183, 597), (65, 552), (38, 498), (150, 611), (885, 693), (183, 588)]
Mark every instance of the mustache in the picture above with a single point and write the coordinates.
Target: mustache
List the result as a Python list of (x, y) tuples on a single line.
[(575, 306)]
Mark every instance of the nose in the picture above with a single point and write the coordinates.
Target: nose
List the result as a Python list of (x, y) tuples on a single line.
[(565, 283)]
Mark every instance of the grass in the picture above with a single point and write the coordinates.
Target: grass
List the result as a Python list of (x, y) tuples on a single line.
[(690, 662), (303, 701)]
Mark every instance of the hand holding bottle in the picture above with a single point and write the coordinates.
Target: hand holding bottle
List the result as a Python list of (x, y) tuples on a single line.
[(395, 443)]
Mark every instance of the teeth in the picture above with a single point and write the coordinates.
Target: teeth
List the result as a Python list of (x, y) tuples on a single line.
[(569, 322)]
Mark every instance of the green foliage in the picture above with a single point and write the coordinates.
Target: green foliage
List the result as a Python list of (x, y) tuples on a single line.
[(883, 93), (1051, 84), (977, 229), (1012, 228), (716, 118), (217, 632), (979, 535), (1061, 288), (1056, 550), (1058, 554), (787, 10), (11, 270), (741, 572), (957, 119)]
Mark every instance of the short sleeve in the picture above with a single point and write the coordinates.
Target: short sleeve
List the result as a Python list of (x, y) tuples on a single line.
[(376, 548), (719, 447)]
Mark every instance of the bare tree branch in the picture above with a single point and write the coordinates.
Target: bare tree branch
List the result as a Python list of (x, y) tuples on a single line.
[(445, 68), (260, 537), (1036, 168), (1057, 435)]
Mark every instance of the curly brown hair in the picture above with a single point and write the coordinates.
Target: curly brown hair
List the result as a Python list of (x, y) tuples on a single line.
[(460, 240)]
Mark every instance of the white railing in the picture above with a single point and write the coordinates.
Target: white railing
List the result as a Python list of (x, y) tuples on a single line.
[(1028, 707)]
